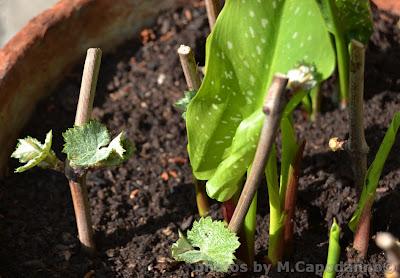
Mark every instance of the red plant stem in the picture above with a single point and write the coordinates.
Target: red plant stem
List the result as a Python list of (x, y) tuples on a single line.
[(77, 182), (273, 107), (361, 235), (290, 199), (228, 207)]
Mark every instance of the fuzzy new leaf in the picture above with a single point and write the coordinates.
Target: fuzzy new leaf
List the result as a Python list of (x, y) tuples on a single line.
[(209, 242), (375, 170), (33, 153), (224, 119), (89, 146)]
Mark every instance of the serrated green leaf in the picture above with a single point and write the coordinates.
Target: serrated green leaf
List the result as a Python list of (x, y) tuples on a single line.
[(224, 118), (183, 103), (209, 242), (375, 170), (33, 153), (89, 146)]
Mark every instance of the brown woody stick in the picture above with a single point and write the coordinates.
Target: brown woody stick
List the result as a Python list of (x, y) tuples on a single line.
[(273, 106), (189, 67), (213, 8), (357, 146), (193, 82), (391, 246), (78, 184)]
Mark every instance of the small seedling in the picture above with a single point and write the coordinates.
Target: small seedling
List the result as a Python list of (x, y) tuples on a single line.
[(87, 145)]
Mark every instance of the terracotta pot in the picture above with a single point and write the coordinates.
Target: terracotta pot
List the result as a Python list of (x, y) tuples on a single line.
[(35, 60), (392, 6)]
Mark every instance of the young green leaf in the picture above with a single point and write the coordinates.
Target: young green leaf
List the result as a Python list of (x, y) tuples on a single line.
[(375, 170), (33, 153), (224, 118), (333, 251), (209, 242), (89, 146), (183, 103)]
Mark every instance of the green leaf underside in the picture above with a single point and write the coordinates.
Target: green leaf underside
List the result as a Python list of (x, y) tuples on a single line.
[(33, 153), (224, 118), (209, 242), (333, 251), (89, 146), (375, 170)]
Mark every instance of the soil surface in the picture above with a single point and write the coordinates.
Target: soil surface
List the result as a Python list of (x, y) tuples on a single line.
[(137, 208)]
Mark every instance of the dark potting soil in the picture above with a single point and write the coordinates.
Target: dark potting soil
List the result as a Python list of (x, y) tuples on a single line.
[(137, 208)]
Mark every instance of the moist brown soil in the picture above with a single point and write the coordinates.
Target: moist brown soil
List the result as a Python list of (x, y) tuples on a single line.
[(137, 208)]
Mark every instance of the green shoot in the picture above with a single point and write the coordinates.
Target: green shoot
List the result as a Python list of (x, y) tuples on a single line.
[(346, 20), (362, 214), (33, 153), (333, 251), (209, 242)]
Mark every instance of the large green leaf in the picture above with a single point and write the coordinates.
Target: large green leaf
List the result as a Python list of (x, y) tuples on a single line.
[(375, 170), (251, 41)]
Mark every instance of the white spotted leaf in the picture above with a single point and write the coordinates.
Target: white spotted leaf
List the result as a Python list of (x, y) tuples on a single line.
[(251, 41)]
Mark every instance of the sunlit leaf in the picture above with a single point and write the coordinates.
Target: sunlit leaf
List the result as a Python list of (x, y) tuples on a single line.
[(251, 41), (89, 146), (209, 242)]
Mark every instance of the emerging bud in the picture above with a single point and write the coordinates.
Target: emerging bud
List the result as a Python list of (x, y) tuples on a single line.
[(336, 144), (304, 77)]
